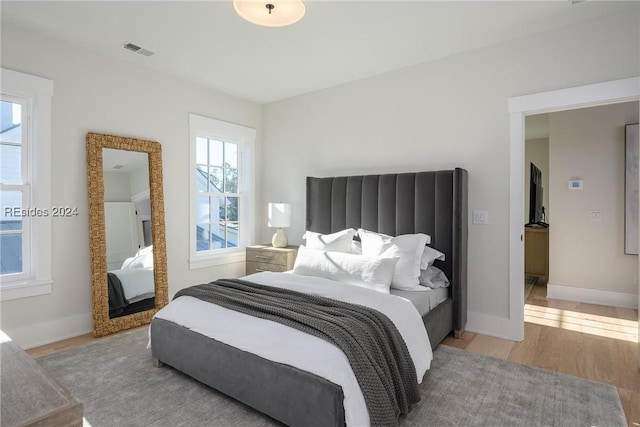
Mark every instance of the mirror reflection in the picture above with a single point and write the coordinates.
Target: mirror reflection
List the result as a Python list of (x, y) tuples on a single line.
[(127, 212)]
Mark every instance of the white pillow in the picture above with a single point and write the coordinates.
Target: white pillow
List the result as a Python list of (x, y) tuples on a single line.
[(429, 256), (142, 259), (407, 247), (370, 272), (433, 278), (339, 241)]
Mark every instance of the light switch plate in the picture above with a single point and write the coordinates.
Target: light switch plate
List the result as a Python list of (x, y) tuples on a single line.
[(595, 215), (480, 217)]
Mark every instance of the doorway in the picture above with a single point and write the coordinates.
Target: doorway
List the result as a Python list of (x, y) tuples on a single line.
[(519, 107), (536, 199)]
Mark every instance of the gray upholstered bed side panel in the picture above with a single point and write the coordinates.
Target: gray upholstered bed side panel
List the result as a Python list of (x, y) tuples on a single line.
[(433, 202), (262, 384), (439, 322)]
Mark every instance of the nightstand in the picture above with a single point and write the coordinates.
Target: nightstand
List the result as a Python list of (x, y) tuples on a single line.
[(268, 258)]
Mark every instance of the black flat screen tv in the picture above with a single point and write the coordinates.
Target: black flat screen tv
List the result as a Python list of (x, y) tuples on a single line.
[(536, 209)]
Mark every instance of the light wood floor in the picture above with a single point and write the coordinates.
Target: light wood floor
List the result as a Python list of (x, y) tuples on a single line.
[(589, 341), (594, 342), (55, 347)]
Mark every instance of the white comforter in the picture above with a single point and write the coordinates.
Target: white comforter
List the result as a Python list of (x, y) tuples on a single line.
[(283, 344)]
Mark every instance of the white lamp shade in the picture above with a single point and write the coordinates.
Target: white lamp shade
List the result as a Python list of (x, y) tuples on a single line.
[(279, 215), (270, 13)]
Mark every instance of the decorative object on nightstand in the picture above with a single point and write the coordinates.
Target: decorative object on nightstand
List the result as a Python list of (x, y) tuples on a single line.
[(267, 258), (280, 217)]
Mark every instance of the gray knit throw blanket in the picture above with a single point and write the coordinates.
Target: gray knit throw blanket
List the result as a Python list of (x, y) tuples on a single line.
[(375, 349)]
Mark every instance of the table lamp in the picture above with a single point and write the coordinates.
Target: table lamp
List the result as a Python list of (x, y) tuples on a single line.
[(279, 217)]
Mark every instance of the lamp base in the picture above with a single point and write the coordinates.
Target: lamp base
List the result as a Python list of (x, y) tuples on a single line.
[(279, 239)]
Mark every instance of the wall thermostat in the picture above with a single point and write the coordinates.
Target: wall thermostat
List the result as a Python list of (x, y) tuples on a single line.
[(575, 184)]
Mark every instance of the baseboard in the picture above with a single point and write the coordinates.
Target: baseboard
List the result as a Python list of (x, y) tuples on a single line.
[(495, 326), (43, 333), (592, 296)]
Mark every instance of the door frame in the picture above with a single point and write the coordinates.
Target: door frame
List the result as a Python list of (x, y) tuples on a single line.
[(610, 92)]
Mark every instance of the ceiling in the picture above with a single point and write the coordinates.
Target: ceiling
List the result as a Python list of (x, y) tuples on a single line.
[(123, 161), (336, 42)]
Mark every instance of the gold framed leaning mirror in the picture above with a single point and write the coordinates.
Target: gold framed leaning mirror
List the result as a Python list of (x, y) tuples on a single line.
[(126, 231)]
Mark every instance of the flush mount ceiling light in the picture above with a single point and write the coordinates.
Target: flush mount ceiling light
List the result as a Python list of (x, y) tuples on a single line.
[(270, 13)]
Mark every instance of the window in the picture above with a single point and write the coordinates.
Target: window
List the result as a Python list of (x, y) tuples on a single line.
[(25, 216), (218, 196), (221, 197), (14, 188)]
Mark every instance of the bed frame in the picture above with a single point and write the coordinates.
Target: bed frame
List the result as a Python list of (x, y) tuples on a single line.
[(434, 203)]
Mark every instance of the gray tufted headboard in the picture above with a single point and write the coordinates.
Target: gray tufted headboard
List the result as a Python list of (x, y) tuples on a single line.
[(434, 203)]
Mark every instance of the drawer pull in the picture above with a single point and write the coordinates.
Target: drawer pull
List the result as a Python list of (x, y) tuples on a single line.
[(262, 257), (259, 270)]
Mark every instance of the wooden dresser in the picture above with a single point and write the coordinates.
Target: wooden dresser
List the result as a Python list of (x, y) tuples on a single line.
[(536, 252), (31, 396), (268, 258)]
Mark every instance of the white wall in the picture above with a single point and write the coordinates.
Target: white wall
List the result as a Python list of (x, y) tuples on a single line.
[(97, 93), (536, 151), (446, 113), (589, 144), (139, 180), (117, 187)]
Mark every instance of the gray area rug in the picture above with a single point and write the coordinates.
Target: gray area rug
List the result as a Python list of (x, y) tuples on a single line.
[(118, 386)]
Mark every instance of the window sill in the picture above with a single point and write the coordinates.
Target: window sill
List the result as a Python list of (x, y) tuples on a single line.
[(24, 289), (218, 259)]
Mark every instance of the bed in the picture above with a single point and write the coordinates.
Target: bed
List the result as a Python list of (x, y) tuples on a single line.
[(131, 287), (433, 203)]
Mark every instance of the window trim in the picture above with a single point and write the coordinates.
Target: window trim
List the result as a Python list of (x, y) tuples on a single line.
[(38, 91), (245, 138)]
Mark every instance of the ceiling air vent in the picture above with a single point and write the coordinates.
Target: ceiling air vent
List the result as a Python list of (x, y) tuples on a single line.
[(135, 48)]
